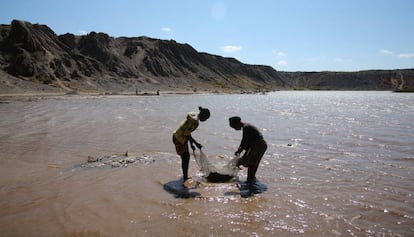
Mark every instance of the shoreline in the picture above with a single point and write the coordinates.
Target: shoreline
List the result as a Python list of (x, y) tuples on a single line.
[(28, 95), (31, 96)]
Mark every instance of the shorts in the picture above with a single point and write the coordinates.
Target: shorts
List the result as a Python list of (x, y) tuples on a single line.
[(179, 147)]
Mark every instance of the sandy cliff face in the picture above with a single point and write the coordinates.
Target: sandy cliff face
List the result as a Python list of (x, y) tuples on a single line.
[(99, 62), (34, 58)]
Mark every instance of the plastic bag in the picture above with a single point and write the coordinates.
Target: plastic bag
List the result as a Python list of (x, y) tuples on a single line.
[(220, 172)]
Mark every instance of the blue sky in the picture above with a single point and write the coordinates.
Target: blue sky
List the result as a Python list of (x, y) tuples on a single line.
[(289, 35)]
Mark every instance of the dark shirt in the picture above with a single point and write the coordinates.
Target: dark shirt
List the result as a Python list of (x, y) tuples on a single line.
[(251, 135)]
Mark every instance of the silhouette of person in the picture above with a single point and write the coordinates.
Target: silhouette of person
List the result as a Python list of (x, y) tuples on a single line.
[(252, 143)]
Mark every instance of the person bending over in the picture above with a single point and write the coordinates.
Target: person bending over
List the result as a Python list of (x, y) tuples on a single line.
[(252, 143), (182, 135)]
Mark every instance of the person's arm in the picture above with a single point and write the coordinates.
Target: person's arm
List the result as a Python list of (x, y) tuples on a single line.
[(244, 144), (193, 124), (237, 153), (193, 141)]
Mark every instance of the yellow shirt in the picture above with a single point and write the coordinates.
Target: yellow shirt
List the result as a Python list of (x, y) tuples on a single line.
[(186, 127)]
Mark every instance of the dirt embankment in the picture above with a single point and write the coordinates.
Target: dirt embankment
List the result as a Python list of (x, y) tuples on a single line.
[(33, 59)]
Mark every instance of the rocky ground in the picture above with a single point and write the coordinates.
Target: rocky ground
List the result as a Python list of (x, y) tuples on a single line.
[(116, 161)]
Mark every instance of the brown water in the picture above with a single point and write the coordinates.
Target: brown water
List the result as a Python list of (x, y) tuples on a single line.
[(338, 164)]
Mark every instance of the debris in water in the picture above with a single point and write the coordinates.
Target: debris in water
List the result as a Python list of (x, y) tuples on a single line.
[(116, 161)]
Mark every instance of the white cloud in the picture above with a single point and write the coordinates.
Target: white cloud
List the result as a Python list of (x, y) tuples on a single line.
[(406, 55), (399, 55), (281, 54), (83, 32), (231, 48), (386, 52), (342, 61), (166, 29), (282, 63)]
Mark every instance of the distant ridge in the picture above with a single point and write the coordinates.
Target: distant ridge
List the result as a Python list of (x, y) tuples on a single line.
[(401, 79), (34, 58)]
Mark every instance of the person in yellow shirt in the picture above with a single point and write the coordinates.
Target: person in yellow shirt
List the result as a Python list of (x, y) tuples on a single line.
[(182, 135)]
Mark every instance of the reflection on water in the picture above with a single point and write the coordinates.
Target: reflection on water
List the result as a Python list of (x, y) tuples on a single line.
[(338, 164)]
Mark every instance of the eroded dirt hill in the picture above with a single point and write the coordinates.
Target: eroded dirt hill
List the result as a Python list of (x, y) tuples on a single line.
[(99, 62), (33, 58)]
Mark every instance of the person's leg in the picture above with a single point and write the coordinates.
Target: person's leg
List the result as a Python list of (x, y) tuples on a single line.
[(251, 172), (257, 155), (185, 161), (182, 150)]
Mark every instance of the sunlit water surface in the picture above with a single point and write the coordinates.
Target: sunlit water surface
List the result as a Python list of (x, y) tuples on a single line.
[(338, 164)]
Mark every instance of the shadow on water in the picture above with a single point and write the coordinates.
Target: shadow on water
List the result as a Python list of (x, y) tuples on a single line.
[(247, 190), (178, 190)]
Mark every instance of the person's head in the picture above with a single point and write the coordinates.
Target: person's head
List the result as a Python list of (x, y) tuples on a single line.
[(204, 114), (235, 122)]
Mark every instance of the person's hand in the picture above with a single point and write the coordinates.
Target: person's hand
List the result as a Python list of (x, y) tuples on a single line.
[(199, 146), (238, 164), (192, 146)]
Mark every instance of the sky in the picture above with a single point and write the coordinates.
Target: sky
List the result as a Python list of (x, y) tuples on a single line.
[(288, 35)]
